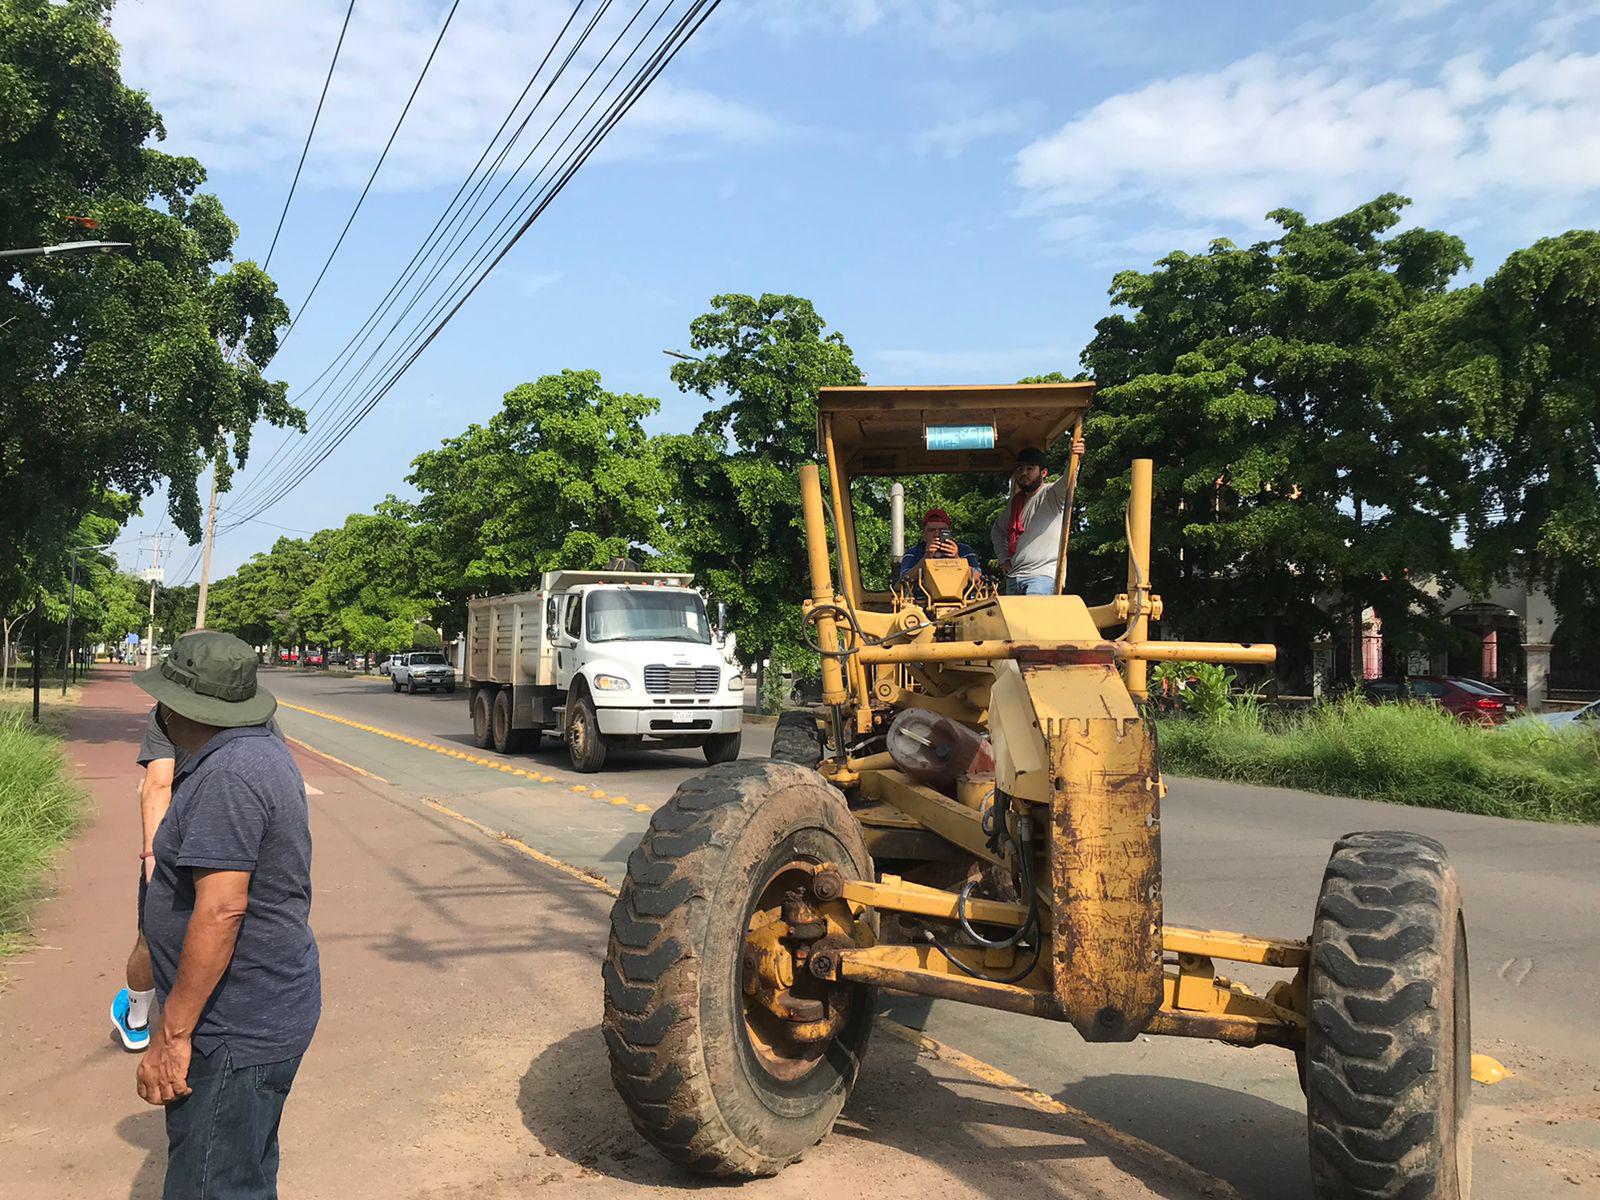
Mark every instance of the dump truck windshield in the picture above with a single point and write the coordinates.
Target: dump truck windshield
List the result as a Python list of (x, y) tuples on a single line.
[(647, 616)]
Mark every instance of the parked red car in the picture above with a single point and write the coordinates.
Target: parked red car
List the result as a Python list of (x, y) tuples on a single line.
[(288, 656), (314, 658), (1471, 700)]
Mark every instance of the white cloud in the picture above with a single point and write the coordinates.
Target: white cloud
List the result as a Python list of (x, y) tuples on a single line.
[(959, 28), (532, 284), (1220, 149), (237, 84)]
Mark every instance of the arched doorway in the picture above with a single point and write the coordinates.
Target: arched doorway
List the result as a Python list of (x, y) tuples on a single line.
[(1488, 645)]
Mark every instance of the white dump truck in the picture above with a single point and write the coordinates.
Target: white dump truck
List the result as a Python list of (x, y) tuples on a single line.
[(603, 659)]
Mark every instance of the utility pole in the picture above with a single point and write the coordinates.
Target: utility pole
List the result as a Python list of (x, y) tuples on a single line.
[(155, 577), (210, 539)]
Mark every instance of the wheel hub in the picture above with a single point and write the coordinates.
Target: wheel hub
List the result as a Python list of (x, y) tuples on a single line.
[(790, 1012)]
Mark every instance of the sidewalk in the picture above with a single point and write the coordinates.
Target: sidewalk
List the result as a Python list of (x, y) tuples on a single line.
[(459, 1054)]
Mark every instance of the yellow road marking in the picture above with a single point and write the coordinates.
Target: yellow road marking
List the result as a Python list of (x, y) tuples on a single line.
[(331, 758), (975, 1067), (1486, 1070), (448, 751)]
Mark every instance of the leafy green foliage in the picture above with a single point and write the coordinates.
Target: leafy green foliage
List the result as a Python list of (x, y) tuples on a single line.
[(1291, 466), (39, 804), (367, 594), (1202, 690), (735, 517), (1400, 753), (563, 476), (112, 370)]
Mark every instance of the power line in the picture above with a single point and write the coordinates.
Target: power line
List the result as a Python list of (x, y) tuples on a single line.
[(434, 234), (360, 200), (266, 482), (307, 147), (660, 58)]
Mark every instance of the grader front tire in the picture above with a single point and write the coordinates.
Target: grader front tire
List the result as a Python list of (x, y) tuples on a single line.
[(704, 1084), (1389, 1044), (797, 739)]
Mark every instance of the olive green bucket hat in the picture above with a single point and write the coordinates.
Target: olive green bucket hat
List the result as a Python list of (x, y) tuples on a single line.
[(210, 677)]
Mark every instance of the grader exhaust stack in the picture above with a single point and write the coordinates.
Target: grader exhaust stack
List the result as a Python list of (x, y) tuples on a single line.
[(1034, 887)]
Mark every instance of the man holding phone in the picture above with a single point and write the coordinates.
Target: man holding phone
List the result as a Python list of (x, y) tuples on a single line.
[(938, 543)]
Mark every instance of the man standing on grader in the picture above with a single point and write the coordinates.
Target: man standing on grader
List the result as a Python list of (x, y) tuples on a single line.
[(974, 814)]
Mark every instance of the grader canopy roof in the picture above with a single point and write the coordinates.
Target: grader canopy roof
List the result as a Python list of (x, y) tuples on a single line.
[(955, 429)]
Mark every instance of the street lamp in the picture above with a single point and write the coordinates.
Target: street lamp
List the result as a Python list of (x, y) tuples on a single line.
[(67, 248)]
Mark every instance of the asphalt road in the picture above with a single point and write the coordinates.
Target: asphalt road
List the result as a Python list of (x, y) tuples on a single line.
[(1235, 857), (459, 1055)]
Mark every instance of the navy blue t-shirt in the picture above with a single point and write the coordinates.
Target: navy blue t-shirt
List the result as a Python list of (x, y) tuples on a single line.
[(240, 805)]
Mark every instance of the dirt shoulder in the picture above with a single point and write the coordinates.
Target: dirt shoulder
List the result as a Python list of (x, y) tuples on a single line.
[(459, 1053)]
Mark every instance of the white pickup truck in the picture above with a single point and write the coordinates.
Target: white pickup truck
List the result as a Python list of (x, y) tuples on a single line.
[(603, 659), (422, 669)]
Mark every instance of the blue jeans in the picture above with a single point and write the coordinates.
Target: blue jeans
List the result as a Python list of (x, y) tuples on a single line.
[(1030, 585), (222, 1138)]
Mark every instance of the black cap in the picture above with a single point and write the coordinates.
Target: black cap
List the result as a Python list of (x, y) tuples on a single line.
[(1032, 456)]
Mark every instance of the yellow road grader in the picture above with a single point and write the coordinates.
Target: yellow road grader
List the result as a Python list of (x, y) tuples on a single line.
[(974, 815)]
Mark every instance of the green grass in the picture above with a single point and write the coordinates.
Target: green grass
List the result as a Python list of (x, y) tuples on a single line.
[(39, 804), (1402, 753)]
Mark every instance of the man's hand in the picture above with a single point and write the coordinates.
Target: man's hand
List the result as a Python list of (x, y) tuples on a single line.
[(164, 1069)]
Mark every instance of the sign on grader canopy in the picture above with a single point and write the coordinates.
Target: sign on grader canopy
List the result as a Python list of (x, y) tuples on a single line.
[(974, 814)]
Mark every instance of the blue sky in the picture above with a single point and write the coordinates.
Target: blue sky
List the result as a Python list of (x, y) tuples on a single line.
[(952, 182)]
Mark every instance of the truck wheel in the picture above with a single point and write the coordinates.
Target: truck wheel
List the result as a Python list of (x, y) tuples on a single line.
[(586, 745), (710, 1077), (722, 747), (394, 684), (797, 739), (482, 718), (411, 687), (504, 737), (1388, 1062)]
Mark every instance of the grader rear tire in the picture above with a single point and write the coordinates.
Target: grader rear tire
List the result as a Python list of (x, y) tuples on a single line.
[(1388, 1061), (706, 1077), (797, 739)]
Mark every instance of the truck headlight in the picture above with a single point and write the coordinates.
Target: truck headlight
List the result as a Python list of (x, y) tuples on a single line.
[(736, 682), (612, 683)]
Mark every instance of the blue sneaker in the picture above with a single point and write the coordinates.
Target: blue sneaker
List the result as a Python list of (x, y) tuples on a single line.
[(133, 1039)]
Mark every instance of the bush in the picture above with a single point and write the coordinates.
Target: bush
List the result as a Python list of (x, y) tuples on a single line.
[(38, 806), (1402, 753)]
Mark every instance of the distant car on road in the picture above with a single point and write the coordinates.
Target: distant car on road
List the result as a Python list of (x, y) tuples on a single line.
[(315, 658), (1574, 720), (422, 669), (338, 658), (1469, 700), (386, 663), (358, 663)]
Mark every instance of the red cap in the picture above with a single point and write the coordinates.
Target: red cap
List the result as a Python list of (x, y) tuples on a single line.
[(936, 514)]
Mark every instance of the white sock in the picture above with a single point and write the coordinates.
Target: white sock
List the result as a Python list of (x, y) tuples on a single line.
[(139, 1008)]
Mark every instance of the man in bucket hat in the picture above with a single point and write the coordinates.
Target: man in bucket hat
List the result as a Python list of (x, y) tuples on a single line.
[(227, 921)]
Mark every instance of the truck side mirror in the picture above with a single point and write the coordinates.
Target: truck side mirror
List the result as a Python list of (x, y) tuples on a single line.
[(722, 618)]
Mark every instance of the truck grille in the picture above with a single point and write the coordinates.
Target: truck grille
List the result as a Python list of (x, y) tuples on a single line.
[(658, 677)]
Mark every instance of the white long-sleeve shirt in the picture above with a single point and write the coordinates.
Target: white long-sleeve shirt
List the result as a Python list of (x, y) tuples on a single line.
[(1039, 545)]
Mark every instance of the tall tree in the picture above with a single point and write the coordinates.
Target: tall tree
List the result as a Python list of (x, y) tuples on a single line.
[(369, 593), (737, 516), (112, 370), (1294, 471), (563, 476)]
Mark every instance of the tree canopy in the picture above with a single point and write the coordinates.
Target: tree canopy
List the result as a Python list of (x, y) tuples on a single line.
[(1298, 479), (735, 516), (113, 373)]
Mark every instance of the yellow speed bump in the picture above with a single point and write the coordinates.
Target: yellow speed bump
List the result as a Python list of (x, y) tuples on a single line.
[(1488, 1071)]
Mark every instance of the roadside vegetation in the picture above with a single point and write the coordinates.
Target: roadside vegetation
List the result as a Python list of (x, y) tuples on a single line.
[(39, 805), (1401, 753)]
